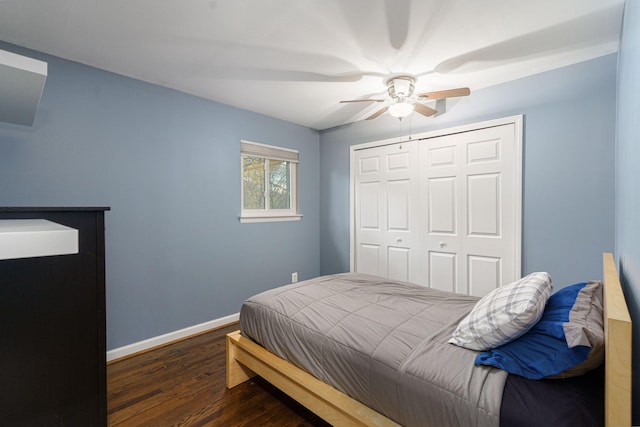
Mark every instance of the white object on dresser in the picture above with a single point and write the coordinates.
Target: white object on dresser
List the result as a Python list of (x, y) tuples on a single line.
[(27, 238)]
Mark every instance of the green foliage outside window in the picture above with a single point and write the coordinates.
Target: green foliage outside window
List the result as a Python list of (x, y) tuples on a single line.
[(253, 175), (279, 176), (253, 182)]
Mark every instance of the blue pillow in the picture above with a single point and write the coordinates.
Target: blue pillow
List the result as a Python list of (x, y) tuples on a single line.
[(543, 351)]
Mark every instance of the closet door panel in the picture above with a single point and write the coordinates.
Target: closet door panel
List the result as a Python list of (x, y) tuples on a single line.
[(469, 192), (369, 261), (399, 263), (483, 205), (443, 271), (386, 211), (484, 274), (370, 208), (443, 212), (398, 204)]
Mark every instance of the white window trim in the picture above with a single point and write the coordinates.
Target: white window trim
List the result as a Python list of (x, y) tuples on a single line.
[(270, 152), (271, 218)]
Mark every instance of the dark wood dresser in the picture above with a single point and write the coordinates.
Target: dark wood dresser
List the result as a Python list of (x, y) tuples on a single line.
[(52, 328)]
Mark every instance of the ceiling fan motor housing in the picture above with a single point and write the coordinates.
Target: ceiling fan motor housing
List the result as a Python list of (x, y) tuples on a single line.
[(400, 87)]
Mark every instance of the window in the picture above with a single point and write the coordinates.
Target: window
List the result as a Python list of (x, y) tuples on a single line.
[(269, 183)]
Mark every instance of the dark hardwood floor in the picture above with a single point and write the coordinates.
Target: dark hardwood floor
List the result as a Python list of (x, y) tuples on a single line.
[(183, 384)]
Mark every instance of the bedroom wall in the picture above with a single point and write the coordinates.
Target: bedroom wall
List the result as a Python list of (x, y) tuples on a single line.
[(569, 120), (168, 165), (628, 179)]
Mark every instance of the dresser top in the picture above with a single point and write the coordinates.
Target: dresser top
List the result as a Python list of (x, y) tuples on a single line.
[(52, 209)]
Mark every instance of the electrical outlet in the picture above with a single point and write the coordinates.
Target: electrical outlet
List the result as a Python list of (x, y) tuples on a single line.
[(294, 277)]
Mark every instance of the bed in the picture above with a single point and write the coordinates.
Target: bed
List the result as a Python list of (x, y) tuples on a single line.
[(246, 358)]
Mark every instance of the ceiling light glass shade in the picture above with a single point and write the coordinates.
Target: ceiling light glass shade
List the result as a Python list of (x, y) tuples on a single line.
[(401, 109)]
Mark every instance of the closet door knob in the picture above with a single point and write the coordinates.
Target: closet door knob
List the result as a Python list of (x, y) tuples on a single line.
[(443, 244)]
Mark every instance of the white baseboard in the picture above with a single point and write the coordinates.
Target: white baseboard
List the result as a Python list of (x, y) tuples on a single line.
[(136, 347)]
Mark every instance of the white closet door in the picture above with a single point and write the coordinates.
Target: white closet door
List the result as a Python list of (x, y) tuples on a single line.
[(386, 204), (469, 197)]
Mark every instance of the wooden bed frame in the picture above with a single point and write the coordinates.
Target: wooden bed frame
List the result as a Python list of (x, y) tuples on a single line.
[(246, 359)]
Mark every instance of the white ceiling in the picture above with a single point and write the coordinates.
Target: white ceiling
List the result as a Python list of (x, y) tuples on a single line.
[(296, 59)]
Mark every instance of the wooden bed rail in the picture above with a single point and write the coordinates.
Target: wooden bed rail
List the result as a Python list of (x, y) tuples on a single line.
[(617, 331), (333, 406)]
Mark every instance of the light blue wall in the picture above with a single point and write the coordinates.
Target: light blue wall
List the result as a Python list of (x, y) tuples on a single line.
[(168, 164), (628, 180), (569, 132)]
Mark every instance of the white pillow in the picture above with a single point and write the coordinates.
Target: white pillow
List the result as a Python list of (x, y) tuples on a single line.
[(504, 314)]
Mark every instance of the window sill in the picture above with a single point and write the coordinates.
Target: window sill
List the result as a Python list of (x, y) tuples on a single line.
[(271, 218)]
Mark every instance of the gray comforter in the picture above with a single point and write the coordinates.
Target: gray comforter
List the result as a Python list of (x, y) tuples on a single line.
[(381, 342)]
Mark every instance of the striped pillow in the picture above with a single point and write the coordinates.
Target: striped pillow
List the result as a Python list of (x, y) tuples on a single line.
[(504, 314)]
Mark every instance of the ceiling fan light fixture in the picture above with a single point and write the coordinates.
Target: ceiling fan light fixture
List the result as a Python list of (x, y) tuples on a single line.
[(401, 110)]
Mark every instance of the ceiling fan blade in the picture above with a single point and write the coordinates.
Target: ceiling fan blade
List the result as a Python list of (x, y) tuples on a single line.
[(450, 93), (586, 30), (424, 110), (398, 14), (362, 100), (377, 113)]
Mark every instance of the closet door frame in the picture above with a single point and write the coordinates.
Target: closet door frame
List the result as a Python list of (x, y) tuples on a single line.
[(517, 121)]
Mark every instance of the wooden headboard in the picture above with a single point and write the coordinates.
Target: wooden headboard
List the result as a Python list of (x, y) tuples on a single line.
[(617, 330)]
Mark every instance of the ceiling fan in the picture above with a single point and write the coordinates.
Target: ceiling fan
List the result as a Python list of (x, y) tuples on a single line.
[(401, 101)]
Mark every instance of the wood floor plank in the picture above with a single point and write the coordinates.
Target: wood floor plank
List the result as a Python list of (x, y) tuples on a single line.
[(183, 384)]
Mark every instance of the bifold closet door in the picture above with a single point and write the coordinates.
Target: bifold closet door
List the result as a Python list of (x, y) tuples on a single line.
[(469, 198), (386, 208)]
